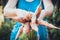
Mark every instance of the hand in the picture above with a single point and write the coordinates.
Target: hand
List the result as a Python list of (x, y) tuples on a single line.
[(26, 28), (33, 23), (38, 11), (28, 17), (34, 26), (22, 20)]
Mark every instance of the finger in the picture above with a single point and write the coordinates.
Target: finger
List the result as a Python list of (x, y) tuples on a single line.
[(41, 22), (19, 32), (38, 11), (28, 17), (21, 20)]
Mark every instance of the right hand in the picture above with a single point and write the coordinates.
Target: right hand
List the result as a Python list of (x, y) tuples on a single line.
[(38, 11), (26, 18)]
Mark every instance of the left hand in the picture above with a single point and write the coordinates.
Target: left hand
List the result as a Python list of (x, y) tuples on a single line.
[(28, 17), (26, 28)]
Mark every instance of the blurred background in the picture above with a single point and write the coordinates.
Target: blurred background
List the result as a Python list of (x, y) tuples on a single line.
[(6, 24)]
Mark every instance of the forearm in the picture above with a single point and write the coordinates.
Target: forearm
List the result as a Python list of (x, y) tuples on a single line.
[(44, 14), (11, 12), (48, 9), (10, 9)]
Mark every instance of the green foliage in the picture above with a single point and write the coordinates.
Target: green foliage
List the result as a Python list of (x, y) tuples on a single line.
[(54, 34), (30, 36), (5, 30)]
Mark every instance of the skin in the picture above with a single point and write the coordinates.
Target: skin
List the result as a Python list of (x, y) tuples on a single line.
[(28, 17), (12, 14), (38, 22), (46, 12)]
